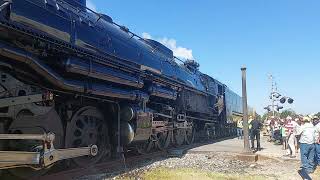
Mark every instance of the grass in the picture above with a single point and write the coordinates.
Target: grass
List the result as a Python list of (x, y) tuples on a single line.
[(191, 174)]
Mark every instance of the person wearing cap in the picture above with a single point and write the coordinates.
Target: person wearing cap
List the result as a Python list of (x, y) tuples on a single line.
[(316, 122), (296, 126), (307, 148), (291, 150)]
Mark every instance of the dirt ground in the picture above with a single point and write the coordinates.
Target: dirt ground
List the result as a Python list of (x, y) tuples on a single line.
[(217, 166), (216, 161)]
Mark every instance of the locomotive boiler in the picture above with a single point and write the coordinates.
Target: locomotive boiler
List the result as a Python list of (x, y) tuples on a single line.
[(76, 86)]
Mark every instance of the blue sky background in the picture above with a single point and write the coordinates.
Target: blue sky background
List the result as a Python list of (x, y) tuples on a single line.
[(279, 37)]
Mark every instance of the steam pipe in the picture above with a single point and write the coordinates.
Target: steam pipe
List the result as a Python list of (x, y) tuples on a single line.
[(57, 80), (100, 71)]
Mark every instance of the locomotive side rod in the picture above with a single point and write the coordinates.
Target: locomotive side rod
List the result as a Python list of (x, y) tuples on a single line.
[(46, 157)]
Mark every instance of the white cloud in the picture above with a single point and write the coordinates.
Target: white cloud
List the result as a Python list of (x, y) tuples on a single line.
[(178, 51), (146, 35), (91, 5)]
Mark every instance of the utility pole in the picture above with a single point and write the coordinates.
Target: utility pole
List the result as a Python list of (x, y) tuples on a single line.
[(245, 110), (272, 95)]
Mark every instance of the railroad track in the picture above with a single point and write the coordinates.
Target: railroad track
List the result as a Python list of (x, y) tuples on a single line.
[(120, 163), (117, 166)]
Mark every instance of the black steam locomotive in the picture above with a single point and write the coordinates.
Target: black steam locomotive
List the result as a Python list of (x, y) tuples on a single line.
[(76, 86)]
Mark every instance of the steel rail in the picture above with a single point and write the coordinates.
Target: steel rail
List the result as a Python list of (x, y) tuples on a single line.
[(101, 167)]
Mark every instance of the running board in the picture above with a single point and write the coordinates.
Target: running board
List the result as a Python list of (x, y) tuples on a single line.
[(46, 157)]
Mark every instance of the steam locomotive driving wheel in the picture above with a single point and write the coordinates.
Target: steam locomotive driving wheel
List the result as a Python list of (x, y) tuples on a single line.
[(27, 122), (179, 136), (88, 127), (145, 147), (190, 133), (164, 139)]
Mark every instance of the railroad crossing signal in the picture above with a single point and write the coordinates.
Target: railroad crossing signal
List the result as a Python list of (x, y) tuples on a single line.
[(284, 99), (276, 97)]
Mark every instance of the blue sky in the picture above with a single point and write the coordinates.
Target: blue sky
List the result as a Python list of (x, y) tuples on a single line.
[(279, 37)]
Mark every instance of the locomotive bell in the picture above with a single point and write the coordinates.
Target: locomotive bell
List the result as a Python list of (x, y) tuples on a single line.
[(126, 133)]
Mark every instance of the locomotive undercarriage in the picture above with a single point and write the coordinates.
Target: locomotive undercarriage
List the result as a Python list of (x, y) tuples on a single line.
[(40, 127)]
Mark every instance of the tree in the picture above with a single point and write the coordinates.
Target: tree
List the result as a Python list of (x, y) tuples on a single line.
[(265, 116), (269, 114), (318, 114), (288, 112), (258, 117), (282, 115)]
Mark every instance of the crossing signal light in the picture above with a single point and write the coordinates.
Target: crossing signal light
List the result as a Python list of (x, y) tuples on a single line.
[(267, 108), (283, 100), (279, 107), (290, 100), (277, 95)]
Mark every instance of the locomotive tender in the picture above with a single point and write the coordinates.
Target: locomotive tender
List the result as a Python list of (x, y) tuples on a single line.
[(75, 85)]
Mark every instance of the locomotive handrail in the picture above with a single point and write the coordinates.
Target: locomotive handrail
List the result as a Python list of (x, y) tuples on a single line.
[(175, 57)]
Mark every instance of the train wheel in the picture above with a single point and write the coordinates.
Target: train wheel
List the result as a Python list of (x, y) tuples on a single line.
[(190, 135), (145, 147), (163, 140), (87, 127), (28, 123), (179, 137)]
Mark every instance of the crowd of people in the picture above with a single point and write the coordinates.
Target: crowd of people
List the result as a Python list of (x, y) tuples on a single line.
[(298, 134)]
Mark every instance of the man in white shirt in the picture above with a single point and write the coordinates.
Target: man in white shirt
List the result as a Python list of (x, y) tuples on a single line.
[(307, 147)]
